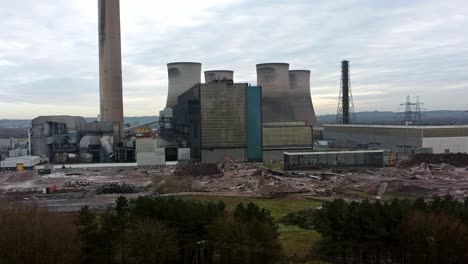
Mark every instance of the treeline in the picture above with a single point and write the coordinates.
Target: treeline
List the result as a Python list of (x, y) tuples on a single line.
[(33, 235), (398, 231), (174, 230), (144, 230)]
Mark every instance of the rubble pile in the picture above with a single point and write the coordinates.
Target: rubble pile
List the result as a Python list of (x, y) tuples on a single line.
[(204, 169), (72, 184), (21, 176), (110, 188)]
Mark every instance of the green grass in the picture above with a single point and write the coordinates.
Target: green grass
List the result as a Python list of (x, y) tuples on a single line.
[(296, 241), (278, 207)]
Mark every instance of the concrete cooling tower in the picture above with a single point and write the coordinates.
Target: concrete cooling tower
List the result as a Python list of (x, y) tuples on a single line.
[(182, 76), (219, 75), (299, 85), (110, 63), (277, 104)]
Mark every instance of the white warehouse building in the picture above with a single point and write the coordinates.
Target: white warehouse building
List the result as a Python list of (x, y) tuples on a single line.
[(408, 139)]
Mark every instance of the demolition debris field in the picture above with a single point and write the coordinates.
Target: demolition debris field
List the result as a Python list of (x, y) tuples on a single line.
[(424, 176)]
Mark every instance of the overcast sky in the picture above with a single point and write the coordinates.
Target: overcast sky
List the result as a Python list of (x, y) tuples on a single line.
[(49, 50)]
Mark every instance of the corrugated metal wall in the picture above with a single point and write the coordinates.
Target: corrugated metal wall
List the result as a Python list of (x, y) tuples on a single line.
[(346, 159), (401, 139), (287, 136), (445, 132)]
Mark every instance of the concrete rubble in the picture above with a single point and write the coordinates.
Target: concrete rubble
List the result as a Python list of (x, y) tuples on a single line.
[(116, 188), (99, 186)]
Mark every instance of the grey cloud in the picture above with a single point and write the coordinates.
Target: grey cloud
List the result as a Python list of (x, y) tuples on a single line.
[(395, 48)]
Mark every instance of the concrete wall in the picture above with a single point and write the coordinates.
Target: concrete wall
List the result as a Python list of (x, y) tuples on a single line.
[(277, 102), (157, 157), (183, 154), (299, 87), (441, 144), (218, 154), (145, 144)]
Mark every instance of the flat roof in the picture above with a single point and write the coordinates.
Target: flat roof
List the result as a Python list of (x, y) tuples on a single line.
[(23, 158), (335, 152), (396, 126)]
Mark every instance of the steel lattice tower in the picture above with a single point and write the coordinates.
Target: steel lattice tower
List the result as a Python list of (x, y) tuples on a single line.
[(345, 112), (412, 111)]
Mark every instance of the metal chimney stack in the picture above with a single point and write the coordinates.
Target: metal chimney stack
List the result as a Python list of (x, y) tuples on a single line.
[(276, 100), (182, 76), (345, 90), (299, 85), (110, 63), (219, 75)]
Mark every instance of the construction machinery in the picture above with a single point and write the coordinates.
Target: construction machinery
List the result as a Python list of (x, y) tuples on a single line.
[(392, 160)]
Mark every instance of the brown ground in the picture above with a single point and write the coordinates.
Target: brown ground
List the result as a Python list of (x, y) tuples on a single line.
[(77, 187)]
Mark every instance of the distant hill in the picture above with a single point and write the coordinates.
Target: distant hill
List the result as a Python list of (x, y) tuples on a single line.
[(439, 117), (26, 123)]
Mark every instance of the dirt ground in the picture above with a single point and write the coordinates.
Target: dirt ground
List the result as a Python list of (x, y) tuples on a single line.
[(77, 187)]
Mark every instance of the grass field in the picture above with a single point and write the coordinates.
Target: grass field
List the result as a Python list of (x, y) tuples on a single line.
[(278, 207), (295, 240)]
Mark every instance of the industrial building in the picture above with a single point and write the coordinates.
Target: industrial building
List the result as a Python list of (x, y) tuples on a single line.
[(59, 139), (334, 159), (62, 139), (221, 119), (202, 122), (20, 162), (14, 147), (403, 138), (287, 109)]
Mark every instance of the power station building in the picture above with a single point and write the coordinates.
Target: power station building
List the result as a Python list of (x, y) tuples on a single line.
[(216, 119), (406, 139), (221, 120), (60, 139)]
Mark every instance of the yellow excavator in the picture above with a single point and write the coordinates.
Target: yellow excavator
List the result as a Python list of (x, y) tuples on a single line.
[(392, 161)]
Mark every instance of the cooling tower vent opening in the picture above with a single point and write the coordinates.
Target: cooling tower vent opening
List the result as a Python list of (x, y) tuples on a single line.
[(219, 76)]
